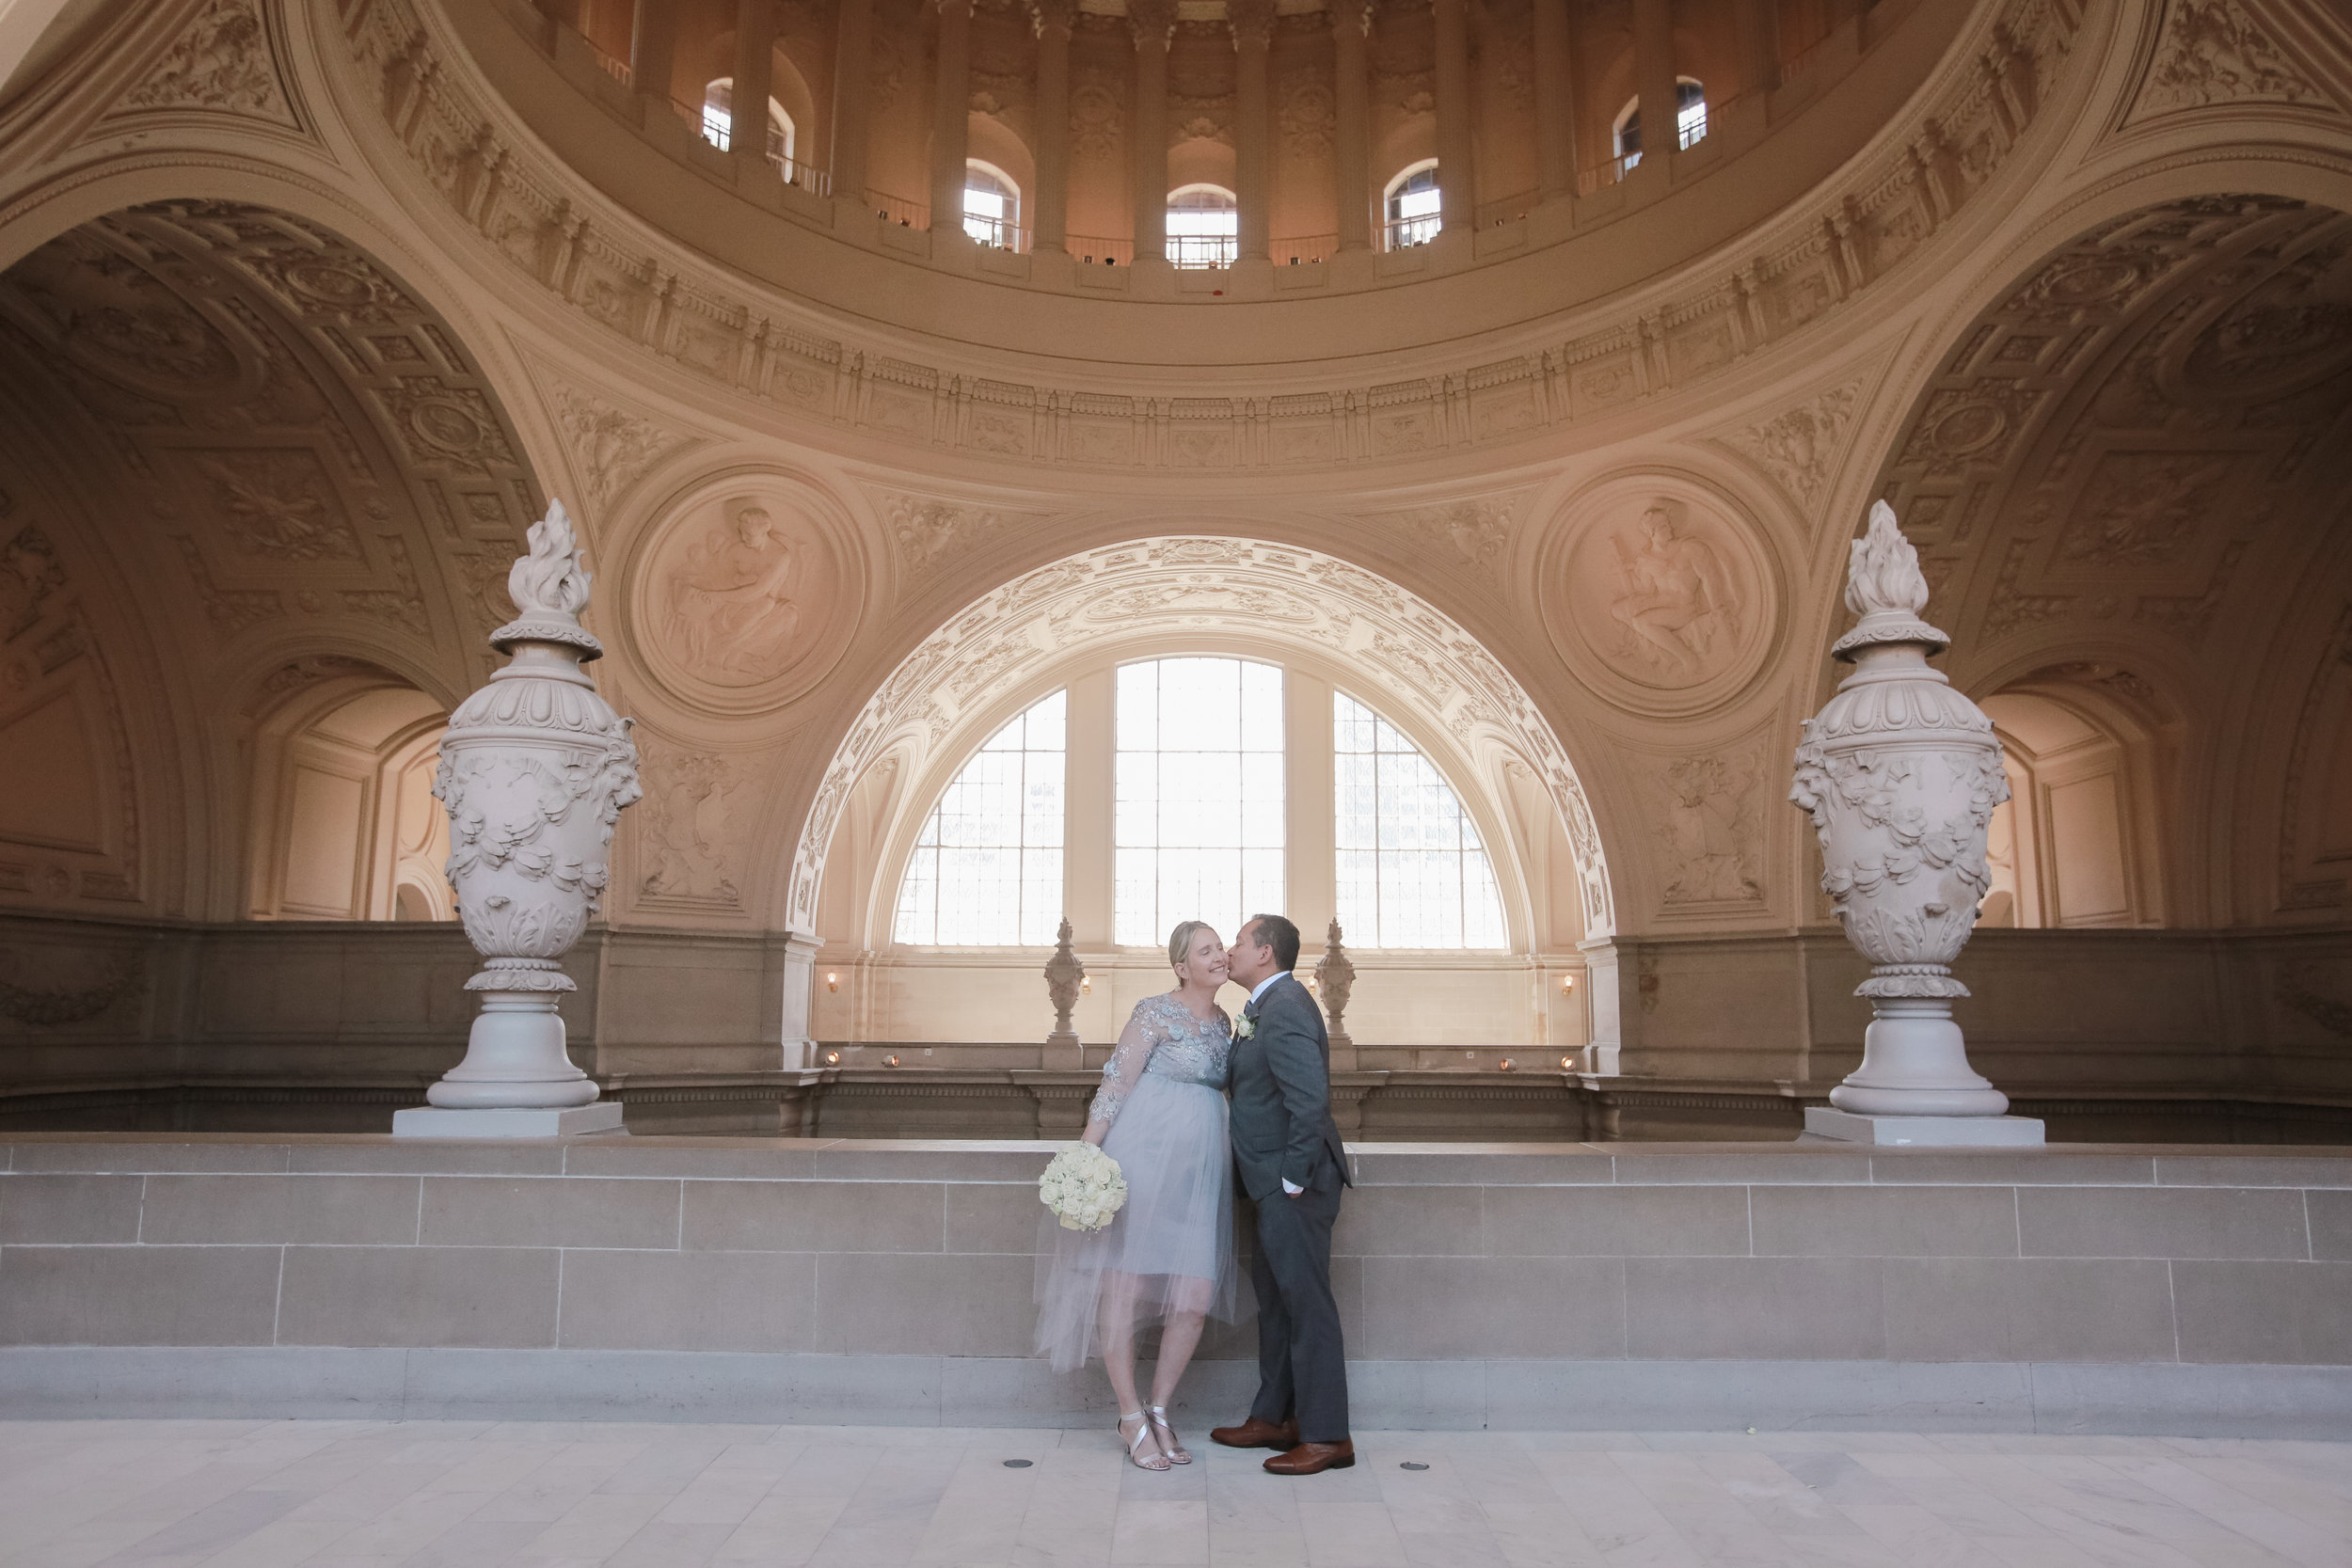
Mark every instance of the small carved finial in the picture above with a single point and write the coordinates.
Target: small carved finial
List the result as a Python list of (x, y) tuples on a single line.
[(1335, 977), (1064, 974), (1885, 590), (550, 587)]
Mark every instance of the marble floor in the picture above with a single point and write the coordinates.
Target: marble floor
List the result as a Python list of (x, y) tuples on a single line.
[(475, 1495)]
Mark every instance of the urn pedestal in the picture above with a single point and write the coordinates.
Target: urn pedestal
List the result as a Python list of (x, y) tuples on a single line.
[(1899, 773), (535, 769)]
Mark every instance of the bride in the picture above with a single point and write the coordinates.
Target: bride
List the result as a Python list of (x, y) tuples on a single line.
[(1167, 1258)]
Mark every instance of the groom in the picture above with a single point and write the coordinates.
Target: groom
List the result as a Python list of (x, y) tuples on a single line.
[(1288, 1150)]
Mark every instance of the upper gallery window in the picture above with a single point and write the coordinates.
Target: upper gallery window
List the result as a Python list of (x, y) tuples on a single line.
[(987, 869), (1412, 871), (991, 205), (1198, 830), (1690, 120), (1203, 225), (719, 123), (1413, 206)]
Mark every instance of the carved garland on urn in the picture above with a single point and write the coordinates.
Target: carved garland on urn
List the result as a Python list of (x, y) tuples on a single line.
[(535, 770)]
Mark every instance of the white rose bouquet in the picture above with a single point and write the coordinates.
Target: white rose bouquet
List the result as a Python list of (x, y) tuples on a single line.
[(1081, 1186)]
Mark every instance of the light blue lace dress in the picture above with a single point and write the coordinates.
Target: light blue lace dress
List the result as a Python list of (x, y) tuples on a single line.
[(1171, 1249)]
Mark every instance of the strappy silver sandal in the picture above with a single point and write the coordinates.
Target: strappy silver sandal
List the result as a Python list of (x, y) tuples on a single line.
[(1135, 1445), (1175, 1450)]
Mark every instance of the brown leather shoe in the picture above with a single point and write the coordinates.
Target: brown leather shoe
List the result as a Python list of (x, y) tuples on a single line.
[(1313, 1459), (1255, 1433)]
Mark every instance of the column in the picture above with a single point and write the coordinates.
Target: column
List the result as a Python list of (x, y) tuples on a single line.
[(1252, 22), (1154, 23), (1351, 94), (1049, 204), (853, 95), (1654, 74), (653, 48), (754, 74), (951, 110), (1555, 101), (1759, 45), (1457, 179)]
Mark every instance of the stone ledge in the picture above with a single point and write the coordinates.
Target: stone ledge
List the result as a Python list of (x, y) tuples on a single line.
[(75, 1383)]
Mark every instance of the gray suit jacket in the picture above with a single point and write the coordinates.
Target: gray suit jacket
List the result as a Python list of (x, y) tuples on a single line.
[(1281, 1087)]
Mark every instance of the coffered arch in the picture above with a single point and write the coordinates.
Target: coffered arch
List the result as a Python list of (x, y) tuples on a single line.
[(285, 456), (2123, 465)]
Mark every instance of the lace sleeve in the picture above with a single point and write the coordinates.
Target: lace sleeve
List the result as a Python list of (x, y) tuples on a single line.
[(1144, 1030)]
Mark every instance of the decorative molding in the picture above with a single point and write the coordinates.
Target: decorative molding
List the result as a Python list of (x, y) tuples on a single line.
[(543, 220), (611, 448), (2211, 52), (1798, 450), (224, 63)]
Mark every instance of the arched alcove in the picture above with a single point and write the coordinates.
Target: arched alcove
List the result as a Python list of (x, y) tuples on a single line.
[(1332, 628)]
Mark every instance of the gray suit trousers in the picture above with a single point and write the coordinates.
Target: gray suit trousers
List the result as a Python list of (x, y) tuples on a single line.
[(1302, 1369)]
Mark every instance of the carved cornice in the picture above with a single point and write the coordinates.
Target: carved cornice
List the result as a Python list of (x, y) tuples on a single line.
[(1861, 229)]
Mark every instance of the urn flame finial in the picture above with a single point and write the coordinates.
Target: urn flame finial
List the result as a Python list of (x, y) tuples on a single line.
[(550, 587), (1885, 591)]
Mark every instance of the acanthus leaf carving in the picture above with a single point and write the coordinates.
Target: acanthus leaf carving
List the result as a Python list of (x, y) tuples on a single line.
[(1799, 448), (1713, 828), (2212, 52), (611, 448), (688, 830)]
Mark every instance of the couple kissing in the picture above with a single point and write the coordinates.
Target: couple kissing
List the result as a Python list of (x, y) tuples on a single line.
[(1165, 1259)]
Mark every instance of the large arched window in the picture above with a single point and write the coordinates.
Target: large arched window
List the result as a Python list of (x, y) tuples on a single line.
[(1413, 206), (1412, 871), (1203, 225), (1198, 828), (1690, 120), (717, 125), (987, 870)]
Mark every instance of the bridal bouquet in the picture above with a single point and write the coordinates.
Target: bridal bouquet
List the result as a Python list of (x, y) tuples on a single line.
[(1083, 1187)]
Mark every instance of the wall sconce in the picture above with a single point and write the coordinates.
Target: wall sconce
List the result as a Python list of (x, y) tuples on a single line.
[(833, 1058), (1506, 1065), (1311, 985), (1568, 1064), (1085, 984), (1567, 984), (833, 982), (890, 1061)]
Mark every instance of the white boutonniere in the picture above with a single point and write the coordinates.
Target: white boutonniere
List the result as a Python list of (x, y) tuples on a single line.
[(1247, 1028)]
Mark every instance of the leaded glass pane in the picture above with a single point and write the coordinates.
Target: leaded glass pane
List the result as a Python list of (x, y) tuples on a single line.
[(986, 871), (1198, 826), (1410, 870)]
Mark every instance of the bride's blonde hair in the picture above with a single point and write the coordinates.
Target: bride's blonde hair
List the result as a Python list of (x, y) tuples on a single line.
[(1180, 940)]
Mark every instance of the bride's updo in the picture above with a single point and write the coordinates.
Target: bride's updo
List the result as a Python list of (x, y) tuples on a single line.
[(1180, 940)]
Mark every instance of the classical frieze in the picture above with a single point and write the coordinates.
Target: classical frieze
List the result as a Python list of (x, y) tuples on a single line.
[(551, 227)]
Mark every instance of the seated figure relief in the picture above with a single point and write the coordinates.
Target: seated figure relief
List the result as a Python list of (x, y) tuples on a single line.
[(727, 613), (1676, 602)]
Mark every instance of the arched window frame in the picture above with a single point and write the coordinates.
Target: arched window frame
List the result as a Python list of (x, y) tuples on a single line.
[(1038, 737), (996, 218), (1309, 684), (717, 122), (1410, 206), (1690, 120), (1205, 229)]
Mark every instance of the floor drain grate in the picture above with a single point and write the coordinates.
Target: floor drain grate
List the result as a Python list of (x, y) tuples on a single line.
[(1412, 1465), (1019, 1464)]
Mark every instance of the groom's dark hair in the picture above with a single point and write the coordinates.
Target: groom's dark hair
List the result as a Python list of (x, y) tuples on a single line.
[(1280, 934)]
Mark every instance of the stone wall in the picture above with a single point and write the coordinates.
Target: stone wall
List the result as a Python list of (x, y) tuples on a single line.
[(2100, 1288), (290, 1026)]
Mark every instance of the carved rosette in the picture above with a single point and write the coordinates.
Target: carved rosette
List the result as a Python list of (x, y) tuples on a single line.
[(1900, 774), (535, 770)]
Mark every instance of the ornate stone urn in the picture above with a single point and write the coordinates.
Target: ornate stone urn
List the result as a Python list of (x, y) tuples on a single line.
[(1065, 974), (535, 769), (1900, 773)]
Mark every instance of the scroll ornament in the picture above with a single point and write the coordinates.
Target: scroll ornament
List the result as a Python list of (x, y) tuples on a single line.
[(535, 770), (1900, 774)]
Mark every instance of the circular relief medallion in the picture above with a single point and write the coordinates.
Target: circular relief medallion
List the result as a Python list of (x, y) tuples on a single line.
[(1657, 595), (742, 599)]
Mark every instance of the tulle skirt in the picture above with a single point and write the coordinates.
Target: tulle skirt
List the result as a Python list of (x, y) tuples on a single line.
[(1171, 1248)]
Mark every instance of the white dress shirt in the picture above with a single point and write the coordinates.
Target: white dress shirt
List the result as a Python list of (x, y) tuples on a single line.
[(1288, 1185)]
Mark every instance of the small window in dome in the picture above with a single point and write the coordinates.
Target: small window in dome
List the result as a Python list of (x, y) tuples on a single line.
[(718, 123), (1690, 121), (1203, 225), (1413, 206), (992, 206)]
